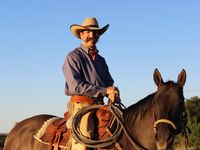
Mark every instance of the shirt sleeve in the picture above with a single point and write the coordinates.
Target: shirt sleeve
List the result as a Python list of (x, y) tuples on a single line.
[(108, 78), (75, 82)]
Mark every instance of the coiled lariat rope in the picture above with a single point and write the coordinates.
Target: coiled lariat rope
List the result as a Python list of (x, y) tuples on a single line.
[(118, 116)]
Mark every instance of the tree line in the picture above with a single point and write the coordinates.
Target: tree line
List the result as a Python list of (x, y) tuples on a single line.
[(192, 140), (2, 139)]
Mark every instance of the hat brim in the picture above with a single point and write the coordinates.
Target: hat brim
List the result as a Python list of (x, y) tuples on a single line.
[(76, 29)]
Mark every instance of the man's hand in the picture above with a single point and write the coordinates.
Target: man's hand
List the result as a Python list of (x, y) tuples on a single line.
[(113, 93)]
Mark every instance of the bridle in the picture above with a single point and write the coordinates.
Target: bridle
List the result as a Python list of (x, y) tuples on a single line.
[(183, 128), (163, 121)]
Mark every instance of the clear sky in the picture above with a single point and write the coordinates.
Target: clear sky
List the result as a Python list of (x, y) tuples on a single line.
[(143, 35)]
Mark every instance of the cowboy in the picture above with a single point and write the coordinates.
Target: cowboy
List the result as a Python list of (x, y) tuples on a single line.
[(87, 76)]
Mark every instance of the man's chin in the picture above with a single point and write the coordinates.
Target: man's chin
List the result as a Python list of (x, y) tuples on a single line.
[(92, 44)]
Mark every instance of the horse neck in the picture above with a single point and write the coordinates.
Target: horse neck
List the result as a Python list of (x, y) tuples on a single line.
[(138, 119)]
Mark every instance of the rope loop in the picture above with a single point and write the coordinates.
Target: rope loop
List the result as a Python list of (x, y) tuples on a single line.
[(95, 143), (118, 116)]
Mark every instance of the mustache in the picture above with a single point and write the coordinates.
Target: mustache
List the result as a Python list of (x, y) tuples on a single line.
[(92, 39)]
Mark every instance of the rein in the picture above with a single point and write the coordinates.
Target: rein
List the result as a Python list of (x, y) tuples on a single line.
[(117, 113)]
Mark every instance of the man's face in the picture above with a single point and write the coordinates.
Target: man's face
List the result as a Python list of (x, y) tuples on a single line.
[(89, 38)]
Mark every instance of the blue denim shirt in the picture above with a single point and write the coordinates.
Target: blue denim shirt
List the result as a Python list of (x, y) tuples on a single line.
[(85, 76)]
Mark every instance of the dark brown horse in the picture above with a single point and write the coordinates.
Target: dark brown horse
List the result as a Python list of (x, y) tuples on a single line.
[(152, 123)]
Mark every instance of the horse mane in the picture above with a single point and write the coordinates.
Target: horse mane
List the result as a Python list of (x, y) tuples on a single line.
[(141, 107)]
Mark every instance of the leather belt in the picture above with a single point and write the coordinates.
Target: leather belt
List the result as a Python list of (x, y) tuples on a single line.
[(81, 99)]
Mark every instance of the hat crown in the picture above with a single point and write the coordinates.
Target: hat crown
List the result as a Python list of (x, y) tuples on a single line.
[(90, 22)]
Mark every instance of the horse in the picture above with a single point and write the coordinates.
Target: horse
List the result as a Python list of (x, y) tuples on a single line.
[(152, 123)]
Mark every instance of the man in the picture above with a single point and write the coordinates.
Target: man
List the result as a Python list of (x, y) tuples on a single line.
[(87, 76)]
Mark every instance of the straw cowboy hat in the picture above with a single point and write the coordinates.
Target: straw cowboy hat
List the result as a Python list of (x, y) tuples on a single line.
[(88, 24)]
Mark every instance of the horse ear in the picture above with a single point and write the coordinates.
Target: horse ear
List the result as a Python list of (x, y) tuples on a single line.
[(181, 78), (157, 78)]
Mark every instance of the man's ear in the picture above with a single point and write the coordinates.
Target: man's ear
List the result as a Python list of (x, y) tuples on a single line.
[(81, 34)]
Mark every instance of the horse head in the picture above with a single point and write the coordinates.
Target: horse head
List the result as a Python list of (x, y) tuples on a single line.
[(168, 104)]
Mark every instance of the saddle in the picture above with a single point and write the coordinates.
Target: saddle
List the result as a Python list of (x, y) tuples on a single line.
[(103, 123), (57, 135)]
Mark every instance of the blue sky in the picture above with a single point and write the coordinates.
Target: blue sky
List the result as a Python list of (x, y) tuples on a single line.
[(143, 35)]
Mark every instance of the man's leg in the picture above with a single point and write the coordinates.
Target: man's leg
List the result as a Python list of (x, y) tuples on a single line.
[(86, 126)]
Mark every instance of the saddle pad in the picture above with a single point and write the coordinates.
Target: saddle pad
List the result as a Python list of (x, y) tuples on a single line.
[(49, 130)]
